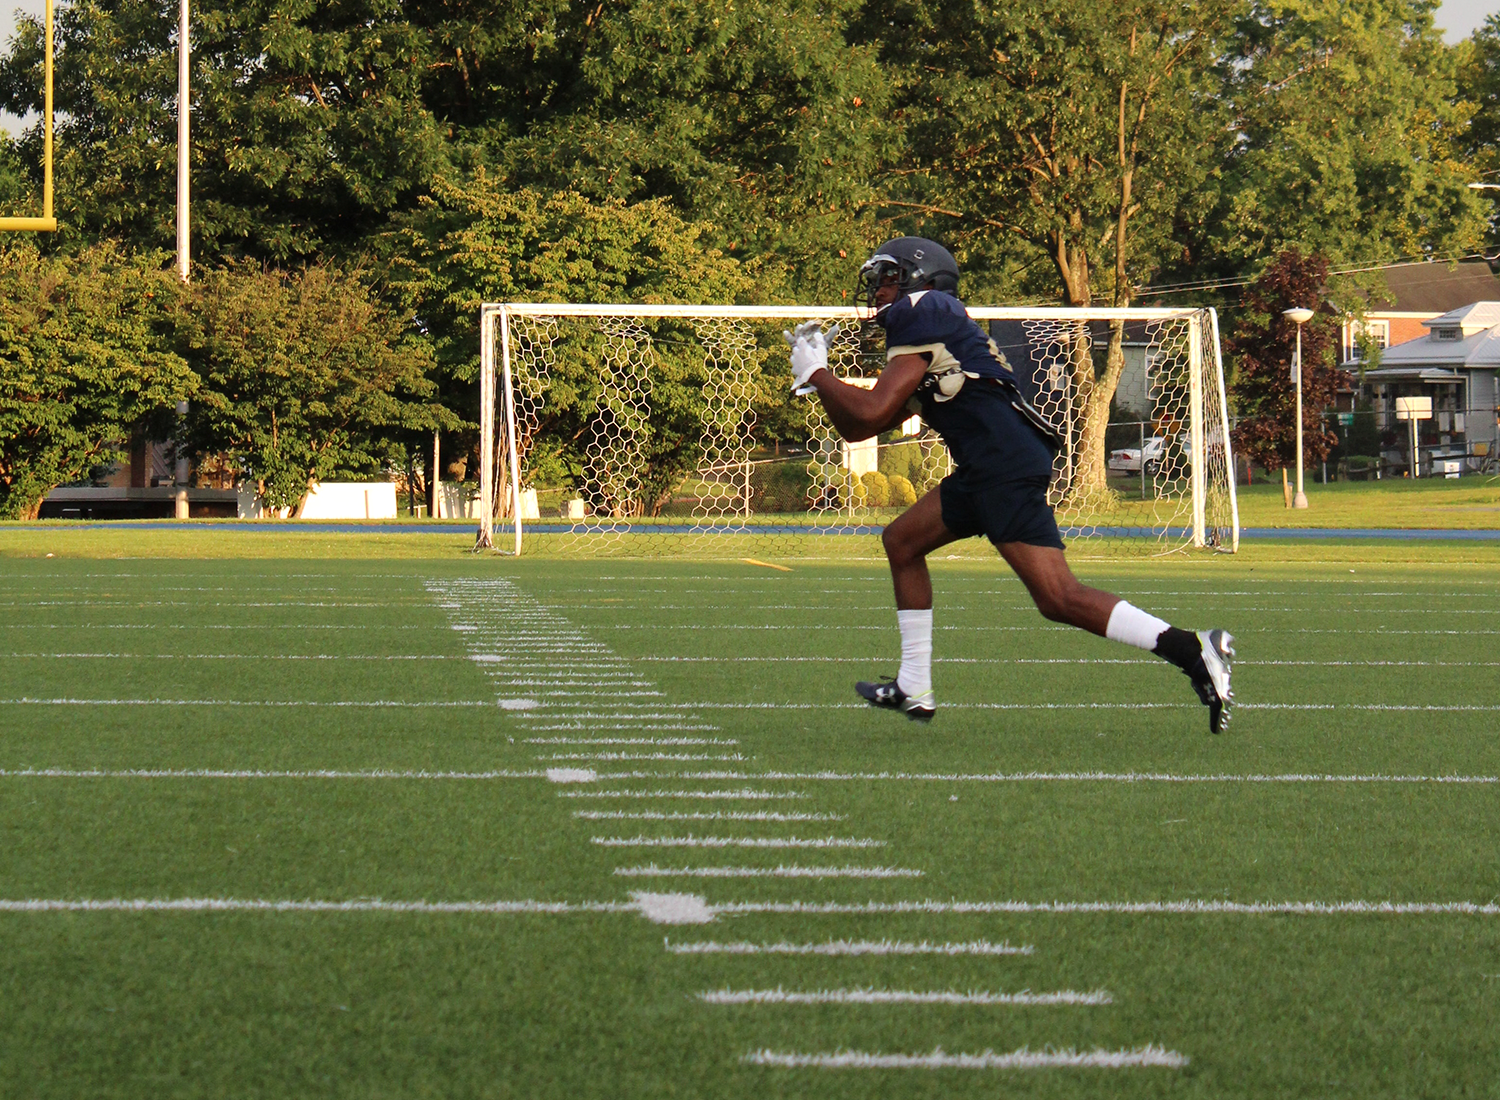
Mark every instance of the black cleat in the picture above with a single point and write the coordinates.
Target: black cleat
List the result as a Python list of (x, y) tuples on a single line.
[(887, 694), (1210, 677)]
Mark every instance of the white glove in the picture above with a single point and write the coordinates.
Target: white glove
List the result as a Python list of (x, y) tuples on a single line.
[(809, 345)]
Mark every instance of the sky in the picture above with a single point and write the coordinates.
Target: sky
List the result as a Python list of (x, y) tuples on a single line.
[(1458, 18)]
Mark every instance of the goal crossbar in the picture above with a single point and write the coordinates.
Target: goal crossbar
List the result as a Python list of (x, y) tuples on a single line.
[(831, 313)]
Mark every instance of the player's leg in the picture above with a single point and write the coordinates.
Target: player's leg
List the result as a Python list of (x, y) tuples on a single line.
[(1062, 597), (908, 539)]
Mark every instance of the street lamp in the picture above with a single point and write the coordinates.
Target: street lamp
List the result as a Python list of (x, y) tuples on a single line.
[(1299, 317)]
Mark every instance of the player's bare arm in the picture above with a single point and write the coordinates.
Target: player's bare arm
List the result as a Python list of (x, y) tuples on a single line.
[(858, 413)]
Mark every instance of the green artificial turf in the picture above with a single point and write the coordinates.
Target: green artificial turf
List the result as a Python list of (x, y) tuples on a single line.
[(156, 654)]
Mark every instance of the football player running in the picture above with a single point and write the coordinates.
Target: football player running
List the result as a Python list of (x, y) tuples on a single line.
[(941, 364)]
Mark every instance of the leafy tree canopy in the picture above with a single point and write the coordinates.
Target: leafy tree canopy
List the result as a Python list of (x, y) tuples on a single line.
[(1071, 136), (1350, 137), (305, 377), (85, 361), (1479, 85)]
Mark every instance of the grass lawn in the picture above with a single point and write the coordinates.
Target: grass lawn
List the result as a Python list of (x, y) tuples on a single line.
[(366, 816), (1467, 503)]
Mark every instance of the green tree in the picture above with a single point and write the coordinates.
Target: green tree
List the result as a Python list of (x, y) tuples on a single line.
[(1479, 86), (306, 377), (85, 361), (1261, 351), (1351, 137), (480, 241), (754, 118), (314, 123), (308, 122)]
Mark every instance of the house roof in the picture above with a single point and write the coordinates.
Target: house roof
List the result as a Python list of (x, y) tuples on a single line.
[(1472, 318), (1413, 374), (1436, 287), (1479, 324)]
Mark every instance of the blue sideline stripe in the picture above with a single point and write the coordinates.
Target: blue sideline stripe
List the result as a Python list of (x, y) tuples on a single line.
[(1399, 534)]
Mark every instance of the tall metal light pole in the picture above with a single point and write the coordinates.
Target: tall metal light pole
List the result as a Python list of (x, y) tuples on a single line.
[(1299, 317), (180, 507)]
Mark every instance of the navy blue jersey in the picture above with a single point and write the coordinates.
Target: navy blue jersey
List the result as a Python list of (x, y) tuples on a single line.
[(968, 392), (937, 323)]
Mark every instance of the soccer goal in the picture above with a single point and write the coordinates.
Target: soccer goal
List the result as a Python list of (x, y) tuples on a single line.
[(645, 430)]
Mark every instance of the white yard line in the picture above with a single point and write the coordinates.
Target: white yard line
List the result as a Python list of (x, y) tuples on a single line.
[(706, 912), (573, 693), (609, 757), (650, 815), (984, 609), (1190, 907), (736, 842), (265, 905), (1239, 663), (1048, 777), (901, 997), (577, 720), (651, 870), (248, 656), (802, 628), (1024, 1058), (744, 794), (255, 773), (420, 704), (849, 947), (298, 627), (632, 741), (1436, 707), (590, 727)]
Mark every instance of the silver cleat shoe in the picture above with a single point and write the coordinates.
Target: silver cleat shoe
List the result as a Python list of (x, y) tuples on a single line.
[(1210, 677)]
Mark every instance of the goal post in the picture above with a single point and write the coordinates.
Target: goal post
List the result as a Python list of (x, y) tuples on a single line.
[(630, 429), (47, 223)]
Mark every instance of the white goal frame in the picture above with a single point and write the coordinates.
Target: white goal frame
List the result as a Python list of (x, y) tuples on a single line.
[(495, 320)]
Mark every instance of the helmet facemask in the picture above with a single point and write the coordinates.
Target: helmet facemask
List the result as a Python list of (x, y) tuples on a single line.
[(879, 270)]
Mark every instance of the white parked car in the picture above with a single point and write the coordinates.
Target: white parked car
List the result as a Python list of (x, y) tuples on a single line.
[(1128, 459)]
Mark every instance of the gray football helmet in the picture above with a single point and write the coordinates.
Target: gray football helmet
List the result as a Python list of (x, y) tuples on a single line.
[(914, 262)]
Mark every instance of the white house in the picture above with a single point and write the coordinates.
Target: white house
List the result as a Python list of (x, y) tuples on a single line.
[(1457, 365)]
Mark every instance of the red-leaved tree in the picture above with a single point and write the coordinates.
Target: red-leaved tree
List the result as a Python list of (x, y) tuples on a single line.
[(1261, 350)]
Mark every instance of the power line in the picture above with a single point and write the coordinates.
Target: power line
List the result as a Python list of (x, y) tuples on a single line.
[(1360, 268)]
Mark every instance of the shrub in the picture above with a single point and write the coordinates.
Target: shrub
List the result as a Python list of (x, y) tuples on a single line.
[(877, 489), (902, 494), (900, 459), (780, 486)]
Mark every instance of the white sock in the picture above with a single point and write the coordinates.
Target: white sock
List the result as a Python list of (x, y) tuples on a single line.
[(1134, 627), (915, 677)]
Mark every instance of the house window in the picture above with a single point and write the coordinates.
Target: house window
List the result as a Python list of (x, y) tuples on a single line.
[(1363, 334), (1447, 333)]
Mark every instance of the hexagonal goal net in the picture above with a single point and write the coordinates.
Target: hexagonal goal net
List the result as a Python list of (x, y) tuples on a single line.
[(644, 430)]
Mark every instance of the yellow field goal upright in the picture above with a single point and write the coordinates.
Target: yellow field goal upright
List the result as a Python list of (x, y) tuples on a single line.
[(46, 223)]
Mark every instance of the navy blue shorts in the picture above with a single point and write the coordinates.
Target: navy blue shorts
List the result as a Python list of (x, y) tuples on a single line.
[(1011, 511)]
